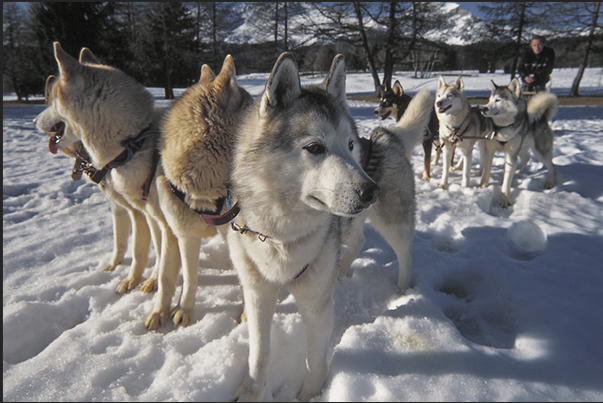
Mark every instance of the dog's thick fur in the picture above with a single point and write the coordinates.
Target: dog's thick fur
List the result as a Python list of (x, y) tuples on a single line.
[(197, 139), (518, 127), (460, 125), (393, 212), (394, 103), (72, 99), (301, 190)]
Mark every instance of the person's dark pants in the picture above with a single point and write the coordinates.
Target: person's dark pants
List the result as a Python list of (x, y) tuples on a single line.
[(533, 87)]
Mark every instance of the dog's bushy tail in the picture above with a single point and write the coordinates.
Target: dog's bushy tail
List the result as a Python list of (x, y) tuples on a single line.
[(542, 106), (418, 113), (412, 126)]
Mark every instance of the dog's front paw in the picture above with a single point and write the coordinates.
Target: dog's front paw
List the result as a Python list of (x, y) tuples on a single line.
[(455, 168), (157, 320), (149, 285), (182, 317), (126, 286), (443, 186), (505, 201), (425, 177), (483, 185)]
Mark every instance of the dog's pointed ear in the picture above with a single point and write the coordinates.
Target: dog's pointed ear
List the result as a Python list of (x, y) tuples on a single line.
[(207, 75), (48, 90), (334, 83), (227, 75), (68, 66), (515, 88), (86, 56), (458, 83), (283, 86), (493, 85), (441, 82), (398, 90)]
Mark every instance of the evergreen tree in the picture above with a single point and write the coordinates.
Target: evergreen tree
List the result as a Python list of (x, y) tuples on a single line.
[(18, 54), (171, 44), (74, 25)]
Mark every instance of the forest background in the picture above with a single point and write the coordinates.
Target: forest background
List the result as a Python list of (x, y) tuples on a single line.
[(164, 44)]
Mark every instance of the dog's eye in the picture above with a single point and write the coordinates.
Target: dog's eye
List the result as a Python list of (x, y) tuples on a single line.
[(351, 145), (315, 148)]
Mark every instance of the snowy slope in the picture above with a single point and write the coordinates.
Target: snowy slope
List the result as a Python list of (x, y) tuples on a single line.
[(461, 28)]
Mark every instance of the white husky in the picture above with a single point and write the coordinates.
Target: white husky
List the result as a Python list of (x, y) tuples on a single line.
[(460, 125), (301, 190)]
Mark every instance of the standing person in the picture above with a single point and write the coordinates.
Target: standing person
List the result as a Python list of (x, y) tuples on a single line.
[(536, 65)]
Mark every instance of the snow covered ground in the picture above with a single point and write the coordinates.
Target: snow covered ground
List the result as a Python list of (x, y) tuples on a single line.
[(507, 304)]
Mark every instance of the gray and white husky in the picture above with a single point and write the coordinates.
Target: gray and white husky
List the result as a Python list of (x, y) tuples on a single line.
[(518, 127), (298, 181)]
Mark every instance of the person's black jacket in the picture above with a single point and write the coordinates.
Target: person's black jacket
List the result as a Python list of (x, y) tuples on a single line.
[(540, 65)]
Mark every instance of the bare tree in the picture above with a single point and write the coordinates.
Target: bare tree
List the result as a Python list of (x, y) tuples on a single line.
[(575, 19), (511, 19), (387, 33), (594, 9), (344, 21)]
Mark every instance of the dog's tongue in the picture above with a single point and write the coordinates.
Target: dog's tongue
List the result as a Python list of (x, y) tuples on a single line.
[(52, 145), (380, 118)]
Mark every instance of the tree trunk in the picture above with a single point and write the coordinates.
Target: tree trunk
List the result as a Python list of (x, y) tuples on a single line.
[(522, 17), (576, 83), (286, 22), (214, 29), (367, 52), (276, 28), (388, 66)]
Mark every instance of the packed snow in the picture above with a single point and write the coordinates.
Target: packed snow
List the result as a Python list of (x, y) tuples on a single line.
[(506, 303)]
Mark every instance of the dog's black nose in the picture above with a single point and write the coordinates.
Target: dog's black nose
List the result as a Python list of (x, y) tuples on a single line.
[(376, 111), (369, 194), (483, 108), (439, 103)]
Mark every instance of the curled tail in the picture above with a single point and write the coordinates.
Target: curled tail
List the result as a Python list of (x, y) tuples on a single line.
[(412, 126), (541, 106), (418, 112)]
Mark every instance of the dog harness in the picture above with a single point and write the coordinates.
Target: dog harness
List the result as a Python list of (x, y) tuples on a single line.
[(131, 145)]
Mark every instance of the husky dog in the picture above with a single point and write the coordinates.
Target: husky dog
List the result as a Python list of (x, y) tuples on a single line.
[(114, 119), (301, 190), (121, 221), (460, 125), (518, 127), (197, 138), (393, 104)]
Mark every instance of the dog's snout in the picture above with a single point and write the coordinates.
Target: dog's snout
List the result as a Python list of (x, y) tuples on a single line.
[(369, 193), (484, 108), (439, 104), (376, 111)]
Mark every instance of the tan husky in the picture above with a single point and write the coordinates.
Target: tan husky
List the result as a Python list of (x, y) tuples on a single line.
[(69, 123), (197, 138)]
